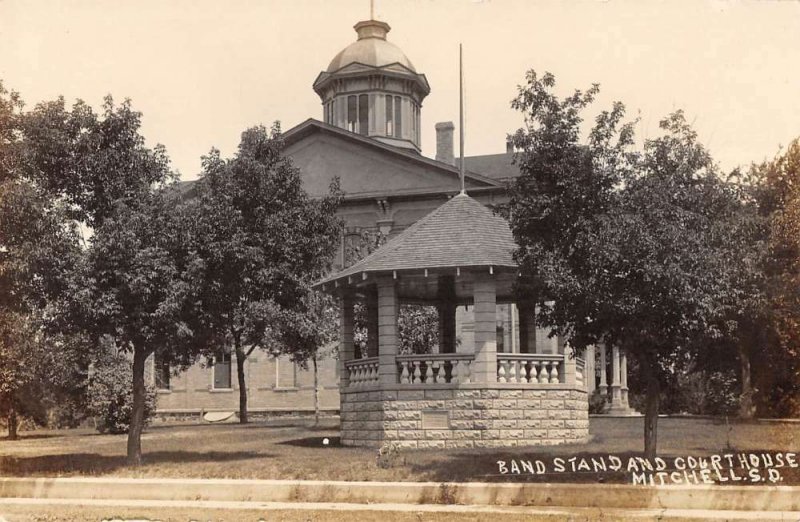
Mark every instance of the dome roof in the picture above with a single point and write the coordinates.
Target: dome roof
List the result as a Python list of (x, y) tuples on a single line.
[(371, 48)]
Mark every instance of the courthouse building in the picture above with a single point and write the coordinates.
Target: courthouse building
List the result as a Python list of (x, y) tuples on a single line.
[(369, 137)]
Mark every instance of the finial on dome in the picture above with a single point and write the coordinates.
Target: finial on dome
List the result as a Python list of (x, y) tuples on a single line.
[(372, 29)]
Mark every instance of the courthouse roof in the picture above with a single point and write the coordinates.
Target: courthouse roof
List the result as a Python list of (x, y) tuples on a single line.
[(459, 234)]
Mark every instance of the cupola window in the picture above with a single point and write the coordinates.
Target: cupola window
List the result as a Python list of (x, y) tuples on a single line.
[(398, 116), (389, 113), (358, 114), (352, 113), (363, 114)]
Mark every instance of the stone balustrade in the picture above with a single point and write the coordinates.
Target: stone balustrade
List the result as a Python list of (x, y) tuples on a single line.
[(530, 368), (440, 368), (362, 372)]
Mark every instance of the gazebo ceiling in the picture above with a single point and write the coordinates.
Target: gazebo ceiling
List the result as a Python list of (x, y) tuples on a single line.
[(460, 234)]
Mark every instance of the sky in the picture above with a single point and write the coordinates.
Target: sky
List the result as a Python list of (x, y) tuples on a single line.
[(202, 71)]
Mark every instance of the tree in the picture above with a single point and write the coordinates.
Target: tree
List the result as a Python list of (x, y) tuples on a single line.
[(774, 326), (38, 245), (89, 161), (263, 240), (619, 247), (141, 290), (307, 333)]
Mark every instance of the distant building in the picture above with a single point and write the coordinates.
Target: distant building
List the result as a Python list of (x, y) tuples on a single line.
[(370, 138)]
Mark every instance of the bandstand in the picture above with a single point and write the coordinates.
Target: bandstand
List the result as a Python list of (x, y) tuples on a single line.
[(467, 394)]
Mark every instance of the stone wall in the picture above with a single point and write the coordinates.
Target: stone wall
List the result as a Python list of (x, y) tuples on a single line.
[(465, 417)]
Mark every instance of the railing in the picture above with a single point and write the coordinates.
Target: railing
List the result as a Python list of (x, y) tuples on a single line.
[(530, 368), (453, 368), (440, 368), (362, 372), (580, 369)]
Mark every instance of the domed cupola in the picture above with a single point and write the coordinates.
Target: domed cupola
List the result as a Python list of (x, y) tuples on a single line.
[(372, 88)]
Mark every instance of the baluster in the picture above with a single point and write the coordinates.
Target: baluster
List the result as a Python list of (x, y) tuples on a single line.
[(455, 371), (554, 372), (372, 374), (466, 371), (438, 371), (354, 375), (501, 370), (543, 374), (512, 371), (426, 371), (417, 374), (404, 377), (527, 369)]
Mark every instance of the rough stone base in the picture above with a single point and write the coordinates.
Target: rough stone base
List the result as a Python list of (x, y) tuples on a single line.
[(464, 418)]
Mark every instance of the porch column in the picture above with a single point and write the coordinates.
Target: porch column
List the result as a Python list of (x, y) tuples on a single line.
[(446, 307), (588, 369), (372, 322), (485, 365), (527, 327), (616, 397), (387, 330), (603, 365), (623, 363), (346, 347)]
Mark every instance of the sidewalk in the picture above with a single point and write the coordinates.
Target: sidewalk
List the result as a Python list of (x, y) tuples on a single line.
[(350, 501)]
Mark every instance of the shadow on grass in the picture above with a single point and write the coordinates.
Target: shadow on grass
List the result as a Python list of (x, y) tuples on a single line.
[(21, 437), (314, 442), (93, 463)]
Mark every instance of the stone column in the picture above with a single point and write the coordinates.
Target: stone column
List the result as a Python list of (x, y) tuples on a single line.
[(484, 369), (588, 369), (527, 328), (512, 313), (616, 394), (603, 365), (346, 348), (623, 363), (372, 322), (387, 330), (447, 314)]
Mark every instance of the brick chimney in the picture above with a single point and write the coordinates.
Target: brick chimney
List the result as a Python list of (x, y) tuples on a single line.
[(444, 142)]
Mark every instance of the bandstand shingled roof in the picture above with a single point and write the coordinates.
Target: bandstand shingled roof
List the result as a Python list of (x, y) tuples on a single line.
[(460, 233)]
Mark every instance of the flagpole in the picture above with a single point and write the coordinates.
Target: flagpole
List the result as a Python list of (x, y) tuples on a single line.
[(461, 116)]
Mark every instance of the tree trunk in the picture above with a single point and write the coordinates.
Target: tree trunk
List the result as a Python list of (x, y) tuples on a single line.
[(746, 406), (137, 415), (651, 408), (12, 421), (240, 359), (316, 390)]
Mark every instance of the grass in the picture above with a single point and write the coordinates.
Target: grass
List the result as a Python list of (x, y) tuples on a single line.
[(284, 450)]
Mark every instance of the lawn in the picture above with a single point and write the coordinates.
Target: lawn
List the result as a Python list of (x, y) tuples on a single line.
[(292, 450)]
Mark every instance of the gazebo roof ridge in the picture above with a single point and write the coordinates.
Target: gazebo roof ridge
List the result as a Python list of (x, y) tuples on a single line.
[(462, 232)]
